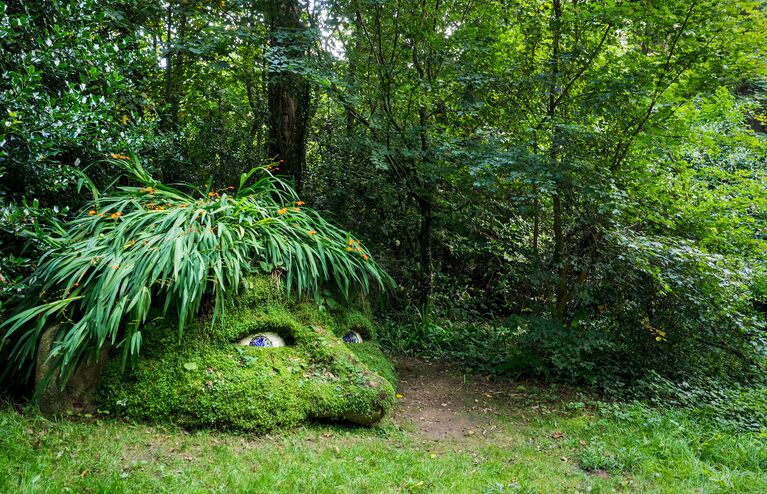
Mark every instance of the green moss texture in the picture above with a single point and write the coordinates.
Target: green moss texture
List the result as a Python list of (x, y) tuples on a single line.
[(205, 379)]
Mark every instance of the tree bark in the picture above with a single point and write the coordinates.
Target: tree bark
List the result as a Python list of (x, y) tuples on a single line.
[(288, 94), (558, 260), (176, 21), (425, 241)]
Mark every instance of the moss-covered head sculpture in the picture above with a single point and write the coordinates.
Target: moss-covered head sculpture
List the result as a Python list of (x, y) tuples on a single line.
[(216, 379), (170, 273)]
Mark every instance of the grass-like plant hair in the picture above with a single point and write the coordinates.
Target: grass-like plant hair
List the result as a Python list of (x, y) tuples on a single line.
[(152, 245)]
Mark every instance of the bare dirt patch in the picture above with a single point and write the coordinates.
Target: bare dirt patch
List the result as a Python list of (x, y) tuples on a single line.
[(437, 401)]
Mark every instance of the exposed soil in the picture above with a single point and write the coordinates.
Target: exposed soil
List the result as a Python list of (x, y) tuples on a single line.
[(436, 401)]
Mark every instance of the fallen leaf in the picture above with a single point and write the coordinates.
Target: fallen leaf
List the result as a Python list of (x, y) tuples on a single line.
[(557, 435), (84, 473)]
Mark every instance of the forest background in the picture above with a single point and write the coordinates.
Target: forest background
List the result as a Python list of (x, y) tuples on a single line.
[(565, 189)]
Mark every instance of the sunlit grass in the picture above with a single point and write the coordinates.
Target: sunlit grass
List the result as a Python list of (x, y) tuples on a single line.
[(533, 450)]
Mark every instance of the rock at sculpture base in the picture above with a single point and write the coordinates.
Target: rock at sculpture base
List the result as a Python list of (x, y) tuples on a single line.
[(81, 387)]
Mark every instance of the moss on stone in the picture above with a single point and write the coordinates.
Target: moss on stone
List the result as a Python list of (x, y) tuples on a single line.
[(370, 354), (205, 379)]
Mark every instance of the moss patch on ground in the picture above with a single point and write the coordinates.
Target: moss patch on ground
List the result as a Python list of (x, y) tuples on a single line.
[(205, 379)]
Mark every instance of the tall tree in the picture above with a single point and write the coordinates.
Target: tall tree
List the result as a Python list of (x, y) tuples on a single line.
[(289, 91)]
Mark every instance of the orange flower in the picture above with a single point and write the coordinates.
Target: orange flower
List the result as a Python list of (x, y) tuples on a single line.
[(116, 215), (120, 156), (365, 256), (349, 249), (282, 211), (76, 284), (311, 232), (299, 203), (92, 212), (213, 194)]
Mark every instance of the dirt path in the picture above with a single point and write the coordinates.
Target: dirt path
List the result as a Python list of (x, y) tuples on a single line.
[(436, 401)]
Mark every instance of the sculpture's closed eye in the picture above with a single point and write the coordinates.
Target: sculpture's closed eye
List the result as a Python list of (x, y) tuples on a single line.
[(265, 340), (352, 337)]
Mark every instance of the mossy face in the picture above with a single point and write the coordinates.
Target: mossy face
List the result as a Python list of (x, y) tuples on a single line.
[(207, 379)]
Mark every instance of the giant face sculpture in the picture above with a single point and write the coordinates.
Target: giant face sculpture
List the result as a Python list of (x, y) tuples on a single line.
[(272, 363)]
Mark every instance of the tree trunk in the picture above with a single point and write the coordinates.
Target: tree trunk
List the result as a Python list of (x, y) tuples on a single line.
[(288, 93), (424, 241), (174, 72), (558, 260)]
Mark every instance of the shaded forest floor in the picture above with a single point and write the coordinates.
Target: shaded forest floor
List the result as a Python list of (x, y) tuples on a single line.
[(450, 432)]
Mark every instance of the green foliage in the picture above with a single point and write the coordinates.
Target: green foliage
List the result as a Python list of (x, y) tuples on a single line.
[(71, 91), (151, 245), (724, 404), (205, 379), (478, 346), (27, 230), (576, 189), (594, 171)]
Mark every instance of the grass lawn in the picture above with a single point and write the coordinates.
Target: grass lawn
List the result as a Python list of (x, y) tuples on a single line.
[(447, 435)]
